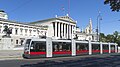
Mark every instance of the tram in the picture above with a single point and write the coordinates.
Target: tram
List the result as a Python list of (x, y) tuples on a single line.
[(36, 48)]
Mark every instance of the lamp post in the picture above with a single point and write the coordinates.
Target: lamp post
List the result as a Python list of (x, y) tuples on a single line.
[(99, 18)]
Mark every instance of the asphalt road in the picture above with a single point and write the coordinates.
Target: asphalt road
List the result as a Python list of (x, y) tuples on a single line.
[(112, 60)]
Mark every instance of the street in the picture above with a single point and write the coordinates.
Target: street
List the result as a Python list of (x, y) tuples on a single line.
[(105, 60)]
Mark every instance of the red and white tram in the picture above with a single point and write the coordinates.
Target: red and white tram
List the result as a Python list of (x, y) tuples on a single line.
[(35, 48)]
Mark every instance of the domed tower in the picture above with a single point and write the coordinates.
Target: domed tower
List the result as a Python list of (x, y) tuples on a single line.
[(3, 15)]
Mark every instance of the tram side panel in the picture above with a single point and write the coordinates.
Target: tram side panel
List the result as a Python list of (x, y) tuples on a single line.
[(95, 48), (61, 49), (82, 49)]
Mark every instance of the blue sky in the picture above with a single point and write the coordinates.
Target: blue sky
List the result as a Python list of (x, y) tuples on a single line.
[(80, 10)]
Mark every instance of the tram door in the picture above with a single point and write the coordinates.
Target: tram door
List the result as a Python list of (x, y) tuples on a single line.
[(62, 49), (105, 48), (82, 49), (112, 48), (95, 48), (38, 49)]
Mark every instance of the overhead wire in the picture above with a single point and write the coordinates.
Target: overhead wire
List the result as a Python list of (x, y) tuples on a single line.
[(20, 6)]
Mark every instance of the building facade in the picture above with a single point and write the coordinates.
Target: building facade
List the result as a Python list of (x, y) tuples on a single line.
[(59, 27), (63, 27)]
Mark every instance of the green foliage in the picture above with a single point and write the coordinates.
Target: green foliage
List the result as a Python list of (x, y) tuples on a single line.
[(114, 38), (115, 4)]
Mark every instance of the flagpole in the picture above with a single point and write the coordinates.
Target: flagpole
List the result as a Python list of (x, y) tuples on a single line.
[(69, 20)]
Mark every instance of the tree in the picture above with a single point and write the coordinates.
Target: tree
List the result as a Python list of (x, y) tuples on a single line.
[(115, 4), (102, 37), (109, 38), (115, 34)]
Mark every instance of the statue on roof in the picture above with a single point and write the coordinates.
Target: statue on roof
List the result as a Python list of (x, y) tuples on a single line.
[(2, 10), (3, 14)]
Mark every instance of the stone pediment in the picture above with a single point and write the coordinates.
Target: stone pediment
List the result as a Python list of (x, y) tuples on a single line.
[(66, 18), (63, 18)]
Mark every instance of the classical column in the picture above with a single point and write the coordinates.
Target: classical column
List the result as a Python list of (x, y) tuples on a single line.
[(69, 31), (56, 29), (62, 30), (72, 32), (65, 30)]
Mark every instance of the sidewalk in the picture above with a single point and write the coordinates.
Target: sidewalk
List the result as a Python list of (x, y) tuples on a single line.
[(4, 54)]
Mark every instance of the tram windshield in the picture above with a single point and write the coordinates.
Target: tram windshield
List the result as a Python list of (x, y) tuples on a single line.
[(27, 43)]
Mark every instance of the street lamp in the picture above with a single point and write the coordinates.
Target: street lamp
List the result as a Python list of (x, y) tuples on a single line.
[(99, 18)]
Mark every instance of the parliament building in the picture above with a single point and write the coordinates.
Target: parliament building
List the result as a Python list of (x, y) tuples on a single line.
[(58, 27)]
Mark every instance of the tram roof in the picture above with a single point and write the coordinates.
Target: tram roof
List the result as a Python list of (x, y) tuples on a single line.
[(77, 41)]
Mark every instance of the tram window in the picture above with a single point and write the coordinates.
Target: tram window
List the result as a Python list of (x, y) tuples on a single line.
[(105, 47), (112, 47), (38, 46), (61, 46), (95, 46), (82, 46)]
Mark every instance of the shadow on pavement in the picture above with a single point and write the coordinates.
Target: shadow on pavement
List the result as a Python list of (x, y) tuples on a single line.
[(112, 61)]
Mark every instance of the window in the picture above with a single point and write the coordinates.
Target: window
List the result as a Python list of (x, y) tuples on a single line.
[(16, 31), (81, 46), (21, 42), (30, 32), (112, 47), (21, 30), (61, 46), (16, 41), (34, 30), (25, 30), (28, 41), (95, 46), (38, 46), (105, 47)]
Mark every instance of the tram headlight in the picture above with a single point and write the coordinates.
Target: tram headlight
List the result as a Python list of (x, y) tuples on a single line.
[(31, 47)]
